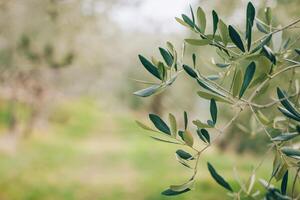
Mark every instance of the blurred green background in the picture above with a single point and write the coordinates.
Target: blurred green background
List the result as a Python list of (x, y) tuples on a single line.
[(67, 113)]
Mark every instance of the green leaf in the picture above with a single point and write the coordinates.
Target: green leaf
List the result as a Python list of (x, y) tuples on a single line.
[(148, 91), (209, 96), (261, 27), (297, 51), (194, 60), (288, 114), (185, 119), (222, 65), (182, 187), (180, 21), (223, 30), (162, 140), (286, 103), (197, 42), (159, 124), (200, 124), (269, 54), (249, 23), (268, 15), (285, 136), (173, 124), (284, 183), (294, 153), (144, 126), (215, 21), (237, 82), (170, 192), (166, 56), (187, 20), (201, 19), (184, 155), (247, 78), (263, 42), (188, 138), (203, 135), (236, 38), (219, 179), (149, 67), (213, 110), (192, 13), (190, 71)]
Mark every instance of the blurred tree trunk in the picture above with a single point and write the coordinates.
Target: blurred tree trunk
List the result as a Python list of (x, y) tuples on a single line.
[(156, 105)]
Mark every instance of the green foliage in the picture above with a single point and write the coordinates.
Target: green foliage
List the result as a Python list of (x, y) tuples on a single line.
[(247, 70)]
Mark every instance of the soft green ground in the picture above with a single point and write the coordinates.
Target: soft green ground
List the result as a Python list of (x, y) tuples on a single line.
[(88, 154)]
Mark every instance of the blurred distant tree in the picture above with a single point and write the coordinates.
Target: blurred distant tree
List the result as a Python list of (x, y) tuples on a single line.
[(249, 64)]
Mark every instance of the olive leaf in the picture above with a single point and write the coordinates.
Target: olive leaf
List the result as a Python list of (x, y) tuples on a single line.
[(201, 19), (190, 71), (213, 110), (269, 54), (247, 78), (289, 111), (184, 155), (203, 135), (219, 179), (150, 67), (249, 23), (236, 38), (159, 124), (173, 124), (166, 56), (148, 91), (215, 21), (197, 42), (284, 182)]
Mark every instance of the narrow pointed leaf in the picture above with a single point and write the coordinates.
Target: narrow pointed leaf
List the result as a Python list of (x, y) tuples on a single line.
[(294, 153), (213, 110), (166, 56), (162, 140), (261, 27), (149, 67), (236, 38), (269, 54), (219, 179), (285, 136), (184, 155), (215, 21), (249, 23), (197, 42), (201, 19), (187, 20), (200, 124), (159, 124), (190, 71), (237, 83), (247, 78), (173, 124), (209, 96), (185, 120), (289, 114), (284, 183), (203, 135), (170, 192), (286, 103), (182, 187), (262, 43), (223, 29), (188, 138), (148, 91)]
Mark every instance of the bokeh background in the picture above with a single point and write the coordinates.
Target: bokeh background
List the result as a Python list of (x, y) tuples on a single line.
[(67, 112)]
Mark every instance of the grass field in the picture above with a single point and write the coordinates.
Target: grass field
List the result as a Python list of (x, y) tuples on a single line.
[(88, 154)]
